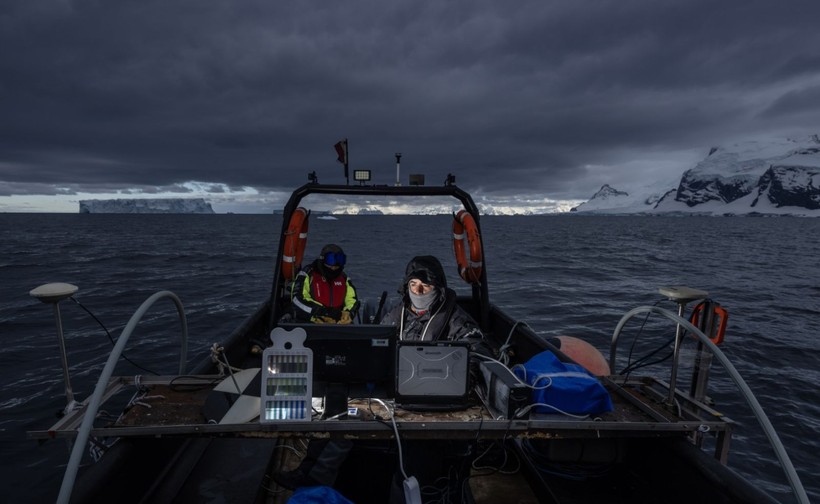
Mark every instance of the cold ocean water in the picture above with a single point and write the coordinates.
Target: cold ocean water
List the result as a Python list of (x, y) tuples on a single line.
[(560, 274)]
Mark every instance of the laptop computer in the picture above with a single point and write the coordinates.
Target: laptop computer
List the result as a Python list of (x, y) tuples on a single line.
[(432, 376)]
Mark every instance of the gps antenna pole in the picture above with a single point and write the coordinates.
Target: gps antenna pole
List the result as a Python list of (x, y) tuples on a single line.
[(53, 293)]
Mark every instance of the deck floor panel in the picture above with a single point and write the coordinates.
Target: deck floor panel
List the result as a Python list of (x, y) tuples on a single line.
[(171, 406)]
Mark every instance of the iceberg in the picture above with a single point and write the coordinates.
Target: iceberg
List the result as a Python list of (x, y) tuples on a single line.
[(147, 206)]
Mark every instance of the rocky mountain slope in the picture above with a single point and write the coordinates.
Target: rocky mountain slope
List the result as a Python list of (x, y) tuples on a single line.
[(779, 176)]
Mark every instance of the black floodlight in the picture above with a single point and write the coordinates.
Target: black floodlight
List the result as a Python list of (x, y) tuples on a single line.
[(417, 180), (361, 175)]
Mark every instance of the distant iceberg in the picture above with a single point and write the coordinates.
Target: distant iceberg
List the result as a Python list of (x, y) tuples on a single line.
[(147, 206)]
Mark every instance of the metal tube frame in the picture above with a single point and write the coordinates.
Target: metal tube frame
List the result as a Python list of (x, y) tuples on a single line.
[(746, 392), (71, 404), (102, 384)]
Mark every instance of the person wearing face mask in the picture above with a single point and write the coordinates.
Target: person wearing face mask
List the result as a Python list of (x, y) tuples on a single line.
[(322, 292), (428, 311)]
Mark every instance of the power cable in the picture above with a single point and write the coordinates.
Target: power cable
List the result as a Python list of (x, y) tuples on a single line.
[(110, 338)]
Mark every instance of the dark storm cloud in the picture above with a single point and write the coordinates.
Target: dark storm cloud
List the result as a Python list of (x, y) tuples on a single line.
[(794, 103), (510, 97)]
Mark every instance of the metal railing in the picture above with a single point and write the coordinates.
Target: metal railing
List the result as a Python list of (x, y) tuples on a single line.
[(83, 433), (774, 440)]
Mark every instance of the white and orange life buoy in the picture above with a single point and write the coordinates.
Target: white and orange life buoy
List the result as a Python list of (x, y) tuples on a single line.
[(465, 228), (295, 241)]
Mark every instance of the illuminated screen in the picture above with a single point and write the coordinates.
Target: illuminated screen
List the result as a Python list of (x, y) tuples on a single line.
[(351, 361)]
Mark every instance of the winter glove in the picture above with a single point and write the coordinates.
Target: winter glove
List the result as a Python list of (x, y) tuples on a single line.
[(325, 312), (345, 318)]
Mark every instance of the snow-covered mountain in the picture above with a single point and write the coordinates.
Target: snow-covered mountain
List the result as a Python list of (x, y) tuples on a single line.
[(499, 207), (356, 210), (780, 176), (147, 206)]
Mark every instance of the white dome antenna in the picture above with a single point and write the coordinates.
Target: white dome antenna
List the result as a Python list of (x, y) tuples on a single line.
[(54, 293)]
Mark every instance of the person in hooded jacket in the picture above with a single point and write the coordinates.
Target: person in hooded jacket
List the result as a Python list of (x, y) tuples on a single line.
[(322, 292), (428, 311)]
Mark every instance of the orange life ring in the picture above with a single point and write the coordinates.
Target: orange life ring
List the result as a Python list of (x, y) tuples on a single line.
[(464, 226), (295, 241), (723, 318)]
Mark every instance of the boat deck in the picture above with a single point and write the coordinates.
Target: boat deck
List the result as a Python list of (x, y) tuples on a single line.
[(173, 406)]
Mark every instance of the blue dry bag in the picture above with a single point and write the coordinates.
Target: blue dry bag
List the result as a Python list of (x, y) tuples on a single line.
[(565, 387), (317, 495)]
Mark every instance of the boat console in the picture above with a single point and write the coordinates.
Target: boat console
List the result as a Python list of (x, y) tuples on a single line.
[(349, 361)]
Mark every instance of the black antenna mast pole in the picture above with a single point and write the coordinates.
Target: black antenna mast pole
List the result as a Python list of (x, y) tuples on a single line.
[(347, 156)]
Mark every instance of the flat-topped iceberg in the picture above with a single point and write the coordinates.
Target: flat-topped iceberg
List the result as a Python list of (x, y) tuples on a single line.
[(147, 206)]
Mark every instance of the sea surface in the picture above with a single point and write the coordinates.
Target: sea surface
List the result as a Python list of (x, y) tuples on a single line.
[(560, 274)]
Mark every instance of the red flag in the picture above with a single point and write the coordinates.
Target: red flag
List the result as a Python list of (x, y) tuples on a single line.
[(341, 150)]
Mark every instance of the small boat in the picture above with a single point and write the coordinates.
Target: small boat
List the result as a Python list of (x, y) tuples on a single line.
[(221, 430)]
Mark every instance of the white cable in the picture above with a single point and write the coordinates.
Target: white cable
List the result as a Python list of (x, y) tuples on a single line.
[(521, 412), (396, 431), (490, 359), (401, 323), (502, 349)]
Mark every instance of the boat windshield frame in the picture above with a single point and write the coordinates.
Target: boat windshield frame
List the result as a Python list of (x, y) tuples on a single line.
[(480, 293)]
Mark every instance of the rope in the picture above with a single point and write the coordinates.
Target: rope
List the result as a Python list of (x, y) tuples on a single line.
[(216, 351)]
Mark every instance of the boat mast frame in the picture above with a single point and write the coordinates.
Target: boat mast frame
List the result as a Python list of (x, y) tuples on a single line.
[(480, 293)]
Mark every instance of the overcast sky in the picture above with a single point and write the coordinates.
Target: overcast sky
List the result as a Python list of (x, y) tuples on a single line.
[(237, 101)]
